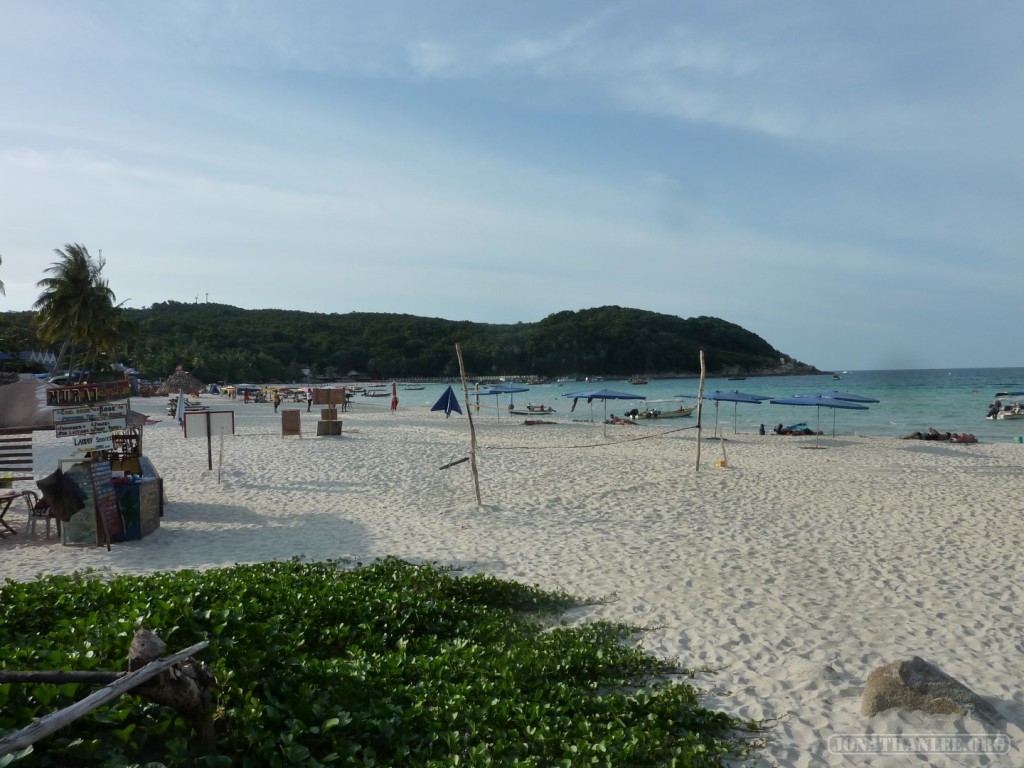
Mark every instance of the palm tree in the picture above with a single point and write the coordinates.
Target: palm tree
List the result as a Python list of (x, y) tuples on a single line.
[(76, 305)]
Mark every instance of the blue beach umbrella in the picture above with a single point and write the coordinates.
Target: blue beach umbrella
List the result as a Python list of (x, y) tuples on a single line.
[(848, 396), (447, 403), (503, 389), (820, 401), (735, 397), (603, 395)]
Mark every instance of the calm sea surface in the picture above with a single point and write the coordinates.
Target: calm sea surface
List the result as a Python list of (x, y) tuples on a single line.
[(953, 400)]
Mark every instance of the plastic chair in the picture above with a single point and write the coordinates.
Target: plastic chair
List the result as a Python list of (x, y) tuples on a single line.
[(38, 509)]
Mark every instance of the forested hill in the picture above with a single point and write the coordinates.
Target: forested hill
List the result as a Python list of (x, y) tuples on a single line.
[(220, 342), (223, 343)]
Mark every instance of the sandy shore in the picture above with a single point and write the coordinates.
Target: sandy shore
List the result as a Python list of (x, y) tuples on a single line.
[(793, 572)]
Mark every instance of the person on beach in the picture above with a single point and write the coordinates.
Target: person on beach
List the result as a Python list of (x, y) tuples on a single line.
[(761, 430), (277, 400), (309, 399)]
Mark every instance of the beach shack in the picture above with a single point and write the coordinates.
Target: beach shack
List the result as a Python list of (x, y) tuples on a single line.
[(111, 492)]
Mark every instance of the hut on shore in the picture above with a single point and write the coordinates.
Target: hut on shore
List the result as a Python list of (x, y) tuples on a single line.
[(181, 381)]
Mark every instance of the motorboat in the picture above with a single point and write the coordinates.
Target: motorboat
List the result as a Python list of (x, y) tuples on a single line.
[(657, 413), (531, 409), (1001, 410)]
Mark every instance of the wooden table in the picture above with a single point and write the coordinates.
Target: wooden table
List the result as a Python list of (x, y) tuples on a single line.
[(6, 497)]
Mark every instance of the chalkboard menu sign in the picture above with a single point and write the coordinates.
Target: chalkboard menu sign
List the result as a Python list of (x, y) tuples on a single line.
[(106, 501)]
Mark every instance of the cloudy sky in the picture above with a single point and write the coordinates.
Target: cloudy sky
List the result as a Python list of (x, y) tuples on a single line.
[(843, 179)]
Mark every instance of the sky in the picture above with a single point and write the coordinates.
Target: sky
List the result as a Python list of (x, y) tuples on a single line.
[(842, 179)]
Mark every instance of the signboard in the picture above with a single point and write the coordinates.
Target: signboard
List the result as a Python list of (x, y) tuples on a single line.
[(106, 501), (97, 442), (329, 395), (207, 423), (89, 412), (81, 394), (71, 429), (104, 410)]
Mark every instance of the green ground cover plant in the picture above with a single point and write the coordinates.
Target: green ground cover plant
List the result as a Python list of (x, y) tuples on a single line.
[(326, 664)]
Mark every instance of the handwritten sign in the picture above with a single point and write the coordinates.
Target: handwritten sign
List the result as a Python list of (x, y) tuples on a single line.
[(97, 442), (73, 428), (105, 499), (89, 412)]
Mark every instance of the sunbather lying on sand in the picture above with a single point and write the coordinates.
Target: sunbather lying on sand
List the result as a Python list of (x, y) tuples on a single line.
[(934, 434)]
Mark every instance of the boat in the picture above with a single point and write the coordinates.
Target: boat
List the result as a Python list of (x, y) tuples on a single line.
[(532, 410), (636, 380), (412, 387), (836, 376), (1004, 411), (737, 378), (657, 413)]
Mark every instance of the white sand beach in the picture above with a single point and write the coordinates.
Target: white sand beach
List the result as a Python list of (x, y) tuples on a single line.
[(791, 572)]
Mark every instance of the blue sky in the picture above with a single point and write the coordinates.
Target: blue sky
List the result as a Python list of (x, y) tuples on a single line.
[(843, 179)]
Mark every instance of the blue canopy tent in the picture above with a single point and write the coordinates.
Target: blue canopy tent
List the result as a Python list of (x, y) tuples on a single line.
[(820, 402), (502, 389), (604, 395), (847, 396), (447, 403)]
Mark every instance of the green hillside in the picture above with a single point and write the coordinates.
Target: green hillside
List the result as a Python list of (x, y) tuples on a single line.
[(224, 343)]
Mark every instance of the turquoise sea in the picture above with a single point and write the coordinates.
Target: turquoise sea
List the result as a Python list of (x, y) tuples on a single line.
[(949, 399)]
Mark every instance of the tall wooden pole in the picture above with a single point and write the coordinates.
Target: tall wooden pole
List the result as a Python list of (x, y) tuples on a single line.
[(700, 403), (472, 429)]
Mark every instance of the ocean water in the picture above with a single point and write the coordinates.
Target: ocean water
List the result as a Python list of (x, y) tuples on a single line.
[(949, 399)]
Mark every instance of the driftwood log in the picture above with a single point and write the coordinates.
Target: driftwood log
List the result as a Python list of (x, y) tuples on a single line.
[(177, 681)]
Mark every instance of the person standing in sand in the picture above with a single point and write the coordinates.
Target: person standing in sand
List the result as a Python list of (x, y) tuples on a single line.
[(277, 400), (309, 399)]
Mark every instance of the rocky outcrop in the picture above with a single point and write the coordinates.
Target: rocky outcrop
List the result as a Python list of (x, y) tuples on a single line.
[(915, 684)]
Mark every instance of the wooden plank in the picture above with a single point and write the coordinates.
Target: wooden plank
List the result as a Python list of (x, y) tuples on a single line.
[(50, 724), (16, 454), (454, 463)]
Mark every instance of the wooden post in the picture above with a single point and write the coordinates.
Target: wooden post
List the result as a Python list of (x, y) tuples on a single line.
[(700, 403), (49, 724), (209, 443), (472, 429)]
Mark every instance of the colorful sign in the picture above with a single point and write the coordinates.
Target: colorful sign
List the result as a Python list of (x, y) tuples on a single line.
[(81, 394)]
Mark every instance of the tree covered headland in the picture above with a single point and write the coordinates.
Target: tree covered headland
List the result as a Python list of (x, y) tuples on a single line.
[(218, 342)]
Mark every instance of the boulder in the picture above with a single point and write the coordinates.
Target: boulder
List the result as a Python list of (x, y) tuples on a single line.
[(915, 684)]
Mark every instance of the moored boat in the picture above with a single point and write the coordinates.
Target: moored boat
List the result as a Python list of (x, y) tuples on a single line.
[(531, 409), (1006, 411), (657, 413)]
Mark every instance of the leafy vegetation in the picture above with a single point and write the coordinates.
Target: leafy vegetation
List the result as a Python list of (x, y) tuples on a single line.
[(321, 665), (217, 342), (76, 308)]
